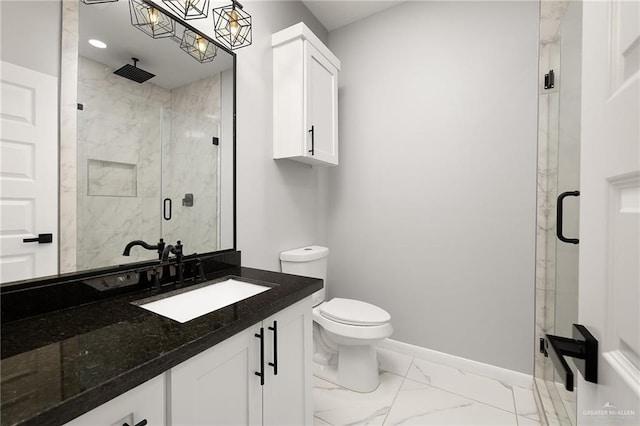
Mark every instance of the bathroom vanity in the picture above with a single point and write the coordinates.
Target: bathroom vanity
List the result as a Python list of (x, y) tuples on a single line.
[(110, 361)]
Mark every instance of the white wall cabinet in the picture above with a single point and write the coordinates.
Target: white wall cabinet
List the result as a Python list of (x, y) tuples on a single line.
[(145, 402), (305, 98), (220, 386)]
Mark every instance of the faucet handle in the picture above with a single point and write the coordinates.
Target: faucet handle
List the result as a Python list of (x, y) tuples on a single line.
[(160, 248), (178, 251)]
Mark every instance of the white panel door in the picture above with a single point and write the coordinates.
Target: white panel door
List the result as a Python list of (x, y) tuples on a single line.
[(609, 294), (28, 172)]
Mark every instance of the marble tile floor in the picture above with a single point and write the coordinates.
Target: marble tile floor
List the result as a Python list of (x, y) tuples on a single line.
[(414, 391)]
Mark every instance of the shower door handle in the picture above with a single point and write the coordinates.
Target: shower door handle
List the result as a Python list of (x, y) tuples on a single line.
[(561, 198), (166, 209)]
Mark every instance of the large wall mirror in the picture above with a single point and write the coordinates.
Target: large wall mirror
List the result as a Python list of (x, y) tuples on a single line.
[(146, 146), (154, 158)]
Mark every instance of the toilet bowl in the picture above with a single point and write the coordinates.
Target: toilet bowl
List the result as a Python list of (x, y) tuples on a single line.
[(344, 330)]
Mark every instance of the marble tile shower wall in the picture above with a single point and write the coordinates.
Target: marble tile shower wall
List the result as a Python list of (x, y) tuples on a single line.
[(194, 120), (119, 126), (68, 132), (121, 130)]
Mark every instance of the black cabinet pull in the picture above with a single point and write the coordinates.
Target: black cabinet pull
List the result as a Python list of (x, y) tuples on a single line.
[(166, 209), (274, 364), (561, 198), (312, 131), (40, 239), (261, 373), (142, 423)]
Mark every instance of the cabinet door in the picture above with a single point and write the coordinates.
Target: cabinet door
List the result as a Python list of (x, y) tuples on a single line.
[(287, 395), (322, 107), (145, 402), (218, 386)]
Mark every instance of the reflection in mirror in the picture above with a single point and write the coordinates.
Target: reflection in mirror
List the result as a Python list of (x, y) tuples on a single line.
[(154, 159)]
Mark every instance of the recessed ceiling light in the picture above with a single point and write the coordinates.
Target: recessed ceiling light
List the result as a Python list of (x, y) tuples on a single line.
[(97, 43)]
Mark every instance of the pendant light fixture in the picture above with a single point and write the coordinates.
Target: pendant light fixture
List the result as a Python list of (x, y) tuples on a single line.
[(198, 47), (98, 1), (232, 25), (150, 20), (189, 9)]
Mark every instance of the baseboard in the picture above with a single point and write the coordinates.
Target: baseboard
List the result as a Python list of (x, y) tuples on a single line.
[(502, 374)]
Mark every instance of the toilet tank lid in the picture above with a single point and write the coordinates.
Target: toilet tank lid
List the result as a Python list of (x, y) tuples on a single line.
[(304, 254)]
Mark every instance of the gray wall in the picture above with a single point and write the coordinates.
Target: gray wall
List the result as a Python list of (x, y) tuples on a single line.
[(431, 212), (279, 202), (39, 47)]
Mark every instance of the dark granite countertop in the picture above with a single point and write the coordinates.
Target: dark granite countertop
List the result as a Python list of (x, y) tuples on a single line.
[(58, 365)]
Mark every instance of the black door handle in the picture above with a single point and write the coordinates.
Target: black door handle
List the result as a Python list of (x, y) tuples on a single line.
[(583, 347), (313, 149), (166, 211), (41, 239), (142, 423), (274, 364), (261, 373), (561, 198)]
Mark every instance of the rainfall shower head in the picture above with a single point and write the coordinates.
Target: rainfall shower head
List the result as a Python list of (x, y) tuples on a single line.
[(132, 72)]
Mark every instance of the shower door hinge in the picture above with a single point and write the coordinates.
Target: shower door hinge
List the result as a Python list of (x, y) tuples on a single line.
[(549, 80), (80, 107), (215, 141)]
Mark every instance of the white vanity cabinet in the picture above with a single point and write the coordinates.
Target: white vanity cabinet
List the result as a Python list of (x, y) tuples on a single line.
[(220, 386), (145, 402), (305, 98)]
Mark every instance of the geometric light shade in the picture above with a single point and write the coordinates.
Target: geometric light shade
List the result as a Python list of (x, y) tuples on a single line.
[(200, 48), (232, 25), (98, 1), (150, 20), (188, 9)]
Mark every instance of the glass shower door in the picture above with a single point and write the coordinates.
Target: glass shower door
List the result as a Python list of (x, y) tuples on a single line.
[(190, 200), (558, 173)]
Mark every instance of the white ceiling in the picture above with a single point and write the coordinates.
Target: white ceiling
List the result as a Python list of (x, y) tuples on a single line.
[(111, 23), (334, 14)]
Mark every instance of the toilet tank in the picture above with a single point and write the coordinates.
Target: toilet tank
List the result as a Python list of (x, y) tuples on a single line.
[(310, 261)]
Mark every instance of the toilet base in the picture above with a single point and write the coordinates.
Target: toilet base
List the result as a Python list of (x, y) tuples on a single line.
[(357, 369)]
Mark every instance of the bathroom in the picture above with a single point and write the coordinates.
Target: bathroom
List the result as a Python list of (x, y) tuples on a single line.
[(432, 211)]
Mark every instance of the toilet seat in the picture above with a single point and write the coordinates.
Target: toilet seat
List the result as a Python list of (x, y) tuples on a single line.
[(358, 332), (354, 312)]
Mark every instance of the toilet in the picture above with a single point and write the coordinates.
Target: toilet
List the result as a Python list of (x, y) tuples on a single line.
[(344, 330)]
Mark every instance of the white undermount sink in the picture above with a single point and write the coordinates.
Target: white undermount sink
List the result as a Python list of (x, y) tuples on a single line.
[(186, 306)]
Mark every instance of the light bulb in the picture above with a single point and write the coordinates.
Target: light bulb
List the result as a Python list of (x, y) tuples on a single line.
[(201, 44), (153, 16), (234, 27)]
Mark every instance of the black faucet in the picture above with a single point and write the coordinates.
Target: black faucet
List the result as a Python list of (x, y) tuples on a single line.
[(177, 251), (159, 247)]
